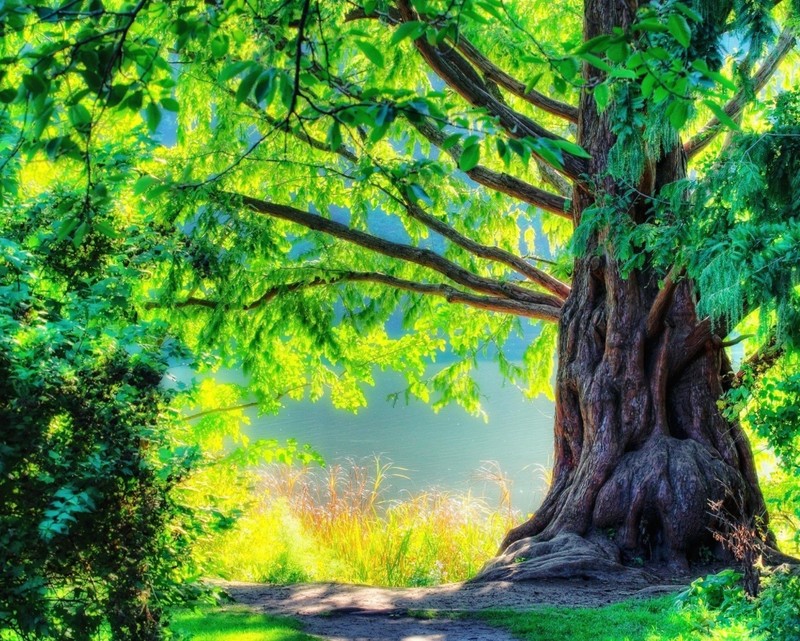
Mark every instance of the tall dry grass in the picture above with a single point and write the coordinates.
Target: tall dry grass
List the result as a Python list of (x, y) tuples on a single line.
[(336, 524)]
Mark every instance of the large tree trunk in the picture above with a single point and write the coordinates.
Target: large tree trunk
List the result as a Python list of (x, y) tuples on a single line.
[(641, 447)]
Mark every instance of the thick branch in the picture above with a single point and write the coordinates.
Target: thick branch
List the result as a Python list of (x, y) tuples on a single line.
[(760, 361), (534, 274), (736, 106), (494, 73), (451, 294), (655, 319), (694, 344), (501, 182), (489, 69), (416, 255), (462, 78)]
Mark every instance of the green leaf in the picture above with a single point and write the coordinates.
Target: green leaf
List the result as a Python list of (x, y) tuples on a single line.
[(8, 95), (570, 148), (247, 84), (33, 83), (569, 67), (412, 29), (688, 12), (219, 45), (451, 140), (702, 67), (548, 152), (335, 135), (651, 25), (617, 52), (106, 229), (719, 112), (80, 233), (470, 157), (265, 87), (601, 96), (79, 116), (680, 29), (143, 184), (170, 104), (648, 83), (596, 44), (622, 72), (152, 116), (595, 61), (678, 112), (371, 52), (232, 70), (531, 84)]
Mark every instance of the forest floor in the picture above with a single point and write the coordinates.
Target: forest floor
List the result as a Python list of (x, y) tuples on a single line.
[(345, 612)]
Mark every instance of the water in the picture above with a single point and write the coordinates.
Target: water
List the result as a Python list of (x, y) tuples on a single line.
[(441, 450)]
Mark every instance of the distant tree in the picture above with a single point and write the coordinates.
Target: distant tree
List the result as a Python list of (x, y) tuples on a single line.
[(622, 173)]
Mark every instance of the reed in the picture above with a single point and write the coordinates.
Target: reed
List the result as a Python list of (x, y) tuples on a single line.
[(336, 524)]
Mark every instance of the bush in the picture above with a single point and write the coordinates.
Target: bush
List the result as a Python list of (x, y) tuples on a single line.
[(92, 539)]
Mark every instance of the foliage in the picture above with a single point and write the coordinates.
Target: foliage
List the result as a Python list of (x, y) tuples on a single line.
[(775, 614), (329, 93), (314, 190), (717, 591), (336, 525), (92, 537)]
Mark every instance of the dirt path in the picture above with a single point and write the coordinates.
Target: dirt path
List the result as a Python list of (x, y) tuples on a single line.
[(340, 612)]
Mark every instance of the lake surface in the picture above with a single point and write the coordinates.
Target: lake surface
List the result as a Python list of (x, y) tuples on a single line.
[(441, 450)]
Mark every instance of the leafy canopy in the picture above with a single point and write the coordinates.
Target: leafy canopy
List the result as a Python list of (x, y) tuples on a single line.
[(312, 189)]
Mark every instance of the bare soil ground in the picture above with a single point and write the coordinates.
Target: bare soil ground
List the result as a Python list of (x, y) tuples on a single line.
[(344, 612)]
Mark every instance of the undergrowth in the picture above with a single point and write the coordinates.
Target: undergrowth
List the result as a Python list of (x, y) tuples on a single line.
[(336, 524)]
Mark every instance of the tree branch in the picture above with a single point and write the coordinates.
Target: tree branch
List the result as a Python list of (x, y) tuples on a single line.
[(416, 255), (451, 294), (693, 345), (655, 318), (502, 182), (487, 67), (494, 73), (534, 274), (462, 78), (760, 361), (736, 106)]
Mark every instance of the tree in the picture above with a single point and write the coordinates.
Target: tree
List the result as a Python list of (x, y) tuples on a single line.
[(335, 164)]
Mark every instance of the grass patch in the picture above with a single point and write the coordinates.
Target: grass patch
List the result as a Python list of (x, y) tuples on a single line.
[(652, 620), (236, 624), (335, 524)]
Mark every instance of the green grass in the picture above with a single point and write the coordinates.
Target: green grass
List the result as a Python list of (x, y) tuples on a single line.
[(236, 624), (336, 524), (652, 620)]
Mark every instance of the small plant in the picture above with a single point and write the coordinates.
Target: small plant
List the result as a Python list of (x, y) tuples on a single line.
[(778, 606), (743, 539), (716, 591)]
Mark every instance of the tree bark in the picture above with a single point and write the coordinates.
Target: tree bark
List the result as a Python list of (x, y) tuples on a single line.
[(641, 447)]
